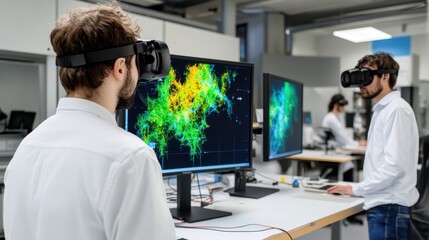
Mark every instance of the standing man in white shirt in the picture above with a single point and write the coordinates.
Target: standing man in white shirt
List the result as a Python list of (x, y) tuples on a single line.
[(78, 175), (390, 167)]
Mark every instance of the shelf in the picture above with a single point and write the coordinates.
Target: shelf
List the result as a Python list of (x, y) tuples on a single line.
[(7, 153)]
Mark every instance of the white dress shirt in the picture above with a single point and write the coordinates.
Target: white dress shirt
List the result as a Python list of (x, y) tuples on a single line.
[(80, 176), (390, 167), (333, 122)]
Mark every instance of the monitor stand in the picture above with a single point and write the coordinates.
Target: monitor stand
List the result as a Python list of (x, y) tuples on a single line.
[(241, 190), (184, 211)]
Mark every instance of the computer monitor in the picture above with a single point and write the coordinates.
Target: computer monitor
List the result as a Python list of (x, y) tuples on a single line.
[(21, 120), (197, 119), (282, 130)]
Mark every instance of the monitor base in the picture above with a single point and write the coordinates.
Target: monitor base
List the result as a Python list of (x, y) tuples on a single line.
[(252, 192), (198, 214)]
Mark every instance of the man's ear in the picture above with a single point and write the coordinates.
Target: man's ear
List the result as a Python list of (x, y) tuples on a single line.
[(386, 76), (120, 69)]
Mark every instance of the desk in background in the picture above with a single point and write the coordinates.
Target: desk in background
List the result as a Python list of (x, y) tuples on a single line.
[(359, 151), (320, 156), (291, 209)]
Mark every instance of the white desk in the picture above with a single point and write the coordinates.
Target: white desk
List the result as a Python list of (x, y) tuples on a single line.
[(320, 156), (359, 150), (291, 209)]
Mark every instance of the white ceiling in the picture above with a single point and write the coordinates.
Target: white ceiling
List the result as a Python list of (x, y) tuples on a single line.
[(292, 7), (410, 18), (415, 22)]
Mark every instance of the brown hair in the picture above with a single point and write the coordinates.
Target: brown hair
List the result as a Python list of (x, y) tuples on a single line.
[(382, 60), (89, 29)]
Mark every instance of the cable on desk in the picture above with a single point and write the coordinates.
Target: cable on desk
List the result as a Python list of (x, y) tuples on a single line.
[(275, 182), (172, 196), (169, 185), (230, 229), (199, 190)]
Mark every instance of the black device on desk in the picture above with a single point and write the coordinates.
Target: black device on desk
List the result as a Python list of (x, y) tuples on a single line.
[(197, 119), (20, 122)]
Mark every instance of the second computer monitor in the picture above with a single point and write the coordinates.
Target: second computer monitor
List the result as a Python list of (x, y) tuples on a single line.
[(283, 104)]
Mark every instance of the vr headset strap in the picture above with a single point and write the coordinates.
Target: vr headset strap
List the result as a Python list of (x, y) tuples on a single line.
[(77, 60)]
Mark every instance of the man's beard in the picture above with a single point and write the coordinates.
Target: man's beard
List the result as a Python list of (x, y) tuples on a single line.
[(373, 94), (126, 94)]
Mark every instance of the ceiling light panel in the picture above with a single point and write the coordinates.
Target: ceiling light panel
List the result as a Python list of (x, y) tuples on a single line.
[(365, 34)]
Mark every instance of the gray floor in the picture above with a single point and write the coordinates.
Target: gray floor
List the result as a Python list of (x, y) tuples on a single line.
[(349, 232)]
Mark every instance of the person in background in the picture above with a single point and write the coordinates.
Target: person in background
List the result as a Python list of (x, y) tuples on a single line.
[(78, 175), (332, 120), (390, 166)]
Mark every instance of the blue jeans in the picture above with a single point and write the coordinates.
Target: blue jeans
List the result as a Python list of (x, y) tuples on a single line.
[(388, 222)]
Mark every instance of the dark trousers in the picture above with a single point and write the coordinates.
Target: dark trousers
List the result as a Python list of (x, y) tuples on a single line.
[(388, 222)]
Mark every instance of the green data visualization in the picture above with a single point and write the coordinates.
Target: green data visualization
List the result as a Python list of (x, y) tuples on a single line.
[(181, 109), (198, 117)]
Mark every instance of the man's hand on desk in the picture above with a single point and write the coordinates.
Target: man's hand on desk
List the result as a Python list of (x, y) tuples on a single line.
[(341, 189)]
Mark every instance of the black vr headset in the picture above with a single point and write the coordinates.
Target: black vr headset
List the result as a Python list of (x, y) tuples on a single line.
[(152, 58), (357, 77), (342, 101)]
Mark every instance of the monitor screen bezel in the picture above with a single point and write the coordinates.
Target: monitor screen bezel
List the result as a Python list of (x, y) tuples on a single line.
[(121, 114), (266, 128)]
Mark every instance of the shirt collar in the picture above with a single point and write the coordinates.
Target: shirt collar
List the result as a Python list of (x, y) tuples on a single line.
[(79, 104), (386, 100)]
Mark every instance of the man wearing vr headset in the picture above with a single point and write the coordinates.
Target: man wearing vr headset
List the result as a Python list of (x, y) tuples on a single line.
[(390, 166), (78, 175)]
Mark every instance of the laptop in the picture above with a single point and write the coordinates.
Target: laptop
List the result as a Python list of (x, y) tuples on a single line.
[(318, 188)]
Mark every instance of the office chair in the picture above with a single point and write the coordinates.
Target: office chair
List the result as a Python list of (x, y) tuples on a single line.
[(419, 226), (326, 134)]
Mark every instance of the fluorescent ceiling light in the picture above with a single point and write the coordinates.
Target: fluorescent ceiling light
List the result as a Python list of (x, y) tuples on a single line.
[(365, 34)]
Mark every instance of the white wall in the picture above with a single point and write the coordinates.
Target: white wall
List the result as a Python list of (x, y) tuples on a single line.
[(65, 5), (25, 25), (348, 52), (316, 100), (303, 45), (420, 47), (150, 28), (21, 88), (190, 41)]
